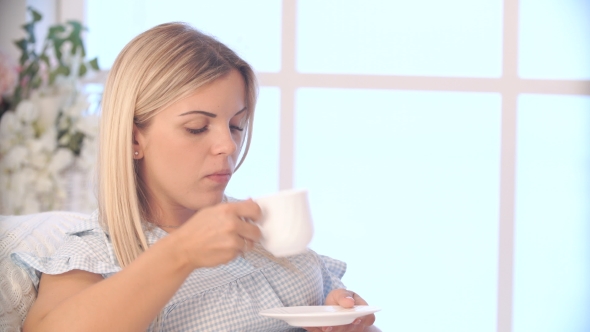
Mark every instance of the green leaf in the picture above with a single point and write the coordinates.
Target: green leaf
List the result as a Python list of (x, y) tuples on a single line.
[(82, 71), (36, 82), (83, 53), (94, 64), (55, 31), (77, 27), (22, 44), (45, 59), (57, 48), (30, 30), (52, 76), (17, 95), (23, 59), (61, 70), (76, 143), (78, 46), (75, 37), (74, 47), (36, 15)]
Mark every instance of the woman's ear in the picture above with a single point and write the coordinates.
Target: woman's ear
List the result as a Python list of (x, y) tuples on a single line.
[(138, 143)]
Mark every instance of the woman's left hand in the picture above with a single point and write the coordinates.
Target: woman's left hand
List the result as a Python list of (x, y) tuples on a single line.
[(346, 299)]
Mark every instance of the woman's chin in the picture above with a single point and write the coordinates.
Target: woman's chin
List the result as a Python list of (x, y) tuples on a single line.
[(206, 200)]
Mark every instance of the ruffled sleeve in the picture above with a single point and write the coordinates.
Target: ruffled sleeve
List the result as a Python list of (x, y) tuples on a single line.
[(332, 271), (85, 247)]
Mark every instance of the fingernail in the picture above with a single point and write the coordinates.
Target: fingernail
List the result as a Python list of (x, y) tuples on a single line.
[(349, 297), (327, 328), (356, 322)]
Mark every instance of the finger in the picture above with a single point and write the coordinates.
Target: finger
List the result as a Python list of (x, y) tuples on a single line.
[(368, 320), (248, 245), (335, 295), (241, 245), (365, 320), (244, 246), (356, 325), (358, 300), (344, 298), (247, 209), (248, 231)]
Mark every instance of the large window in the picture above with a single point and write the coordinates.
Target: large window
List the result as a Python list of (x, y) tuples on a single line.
[(445, 144)]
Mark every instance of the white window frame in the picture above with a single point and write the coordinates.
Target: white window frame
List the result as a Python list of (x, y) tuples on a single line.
[(509, 85)]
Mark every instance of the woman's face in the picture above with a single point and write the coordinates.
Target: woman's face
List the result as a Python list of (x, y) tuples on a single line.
[(188, 152)]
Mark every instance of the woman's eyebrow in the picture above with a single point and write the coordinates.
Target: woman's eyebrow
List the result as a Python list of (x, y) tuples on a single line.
[(240, 111), (211, 115)]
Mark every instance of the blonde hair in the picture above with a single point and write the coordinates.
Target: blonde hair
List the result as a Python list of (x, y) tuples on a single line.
[(157, 68)]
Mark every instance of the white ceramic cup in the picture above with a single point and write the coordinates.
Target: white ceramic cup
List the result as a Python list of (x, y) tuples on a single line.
[(286, 223)]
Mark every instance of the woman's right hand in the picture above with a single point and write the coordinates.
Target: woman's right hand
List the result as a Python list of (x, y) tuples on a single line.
[(216, 235)]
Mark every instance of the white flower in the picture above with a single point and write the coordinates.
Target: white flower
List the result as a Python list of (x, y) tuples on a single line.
[(9, 203), (5, 197), (88, 125), (39, 159), (61, 159), (48, 106), (88, 154), (27, 112), (44, 183), (27, 132), (30, 204), (62, 124), (48, 140), (64, 139), (21, 184), (34, 171), (15, 158), (6, 143), (10, 125), (78, 107)]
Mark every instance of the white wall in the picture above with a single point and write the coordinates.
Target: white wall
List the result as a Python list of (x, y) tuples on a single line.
[(12, 16)]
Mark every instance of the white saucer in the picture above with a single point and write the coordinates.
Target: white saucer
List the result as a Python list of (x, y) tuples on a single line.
[(319, 315)]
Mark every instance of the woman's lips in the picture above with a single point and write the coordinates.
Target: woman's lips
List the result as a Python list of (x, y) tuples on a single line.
[(220, 177)]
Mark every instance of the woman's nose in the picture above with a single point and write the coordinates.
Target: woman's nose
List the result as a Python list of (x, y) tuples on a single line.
[(224, 143)]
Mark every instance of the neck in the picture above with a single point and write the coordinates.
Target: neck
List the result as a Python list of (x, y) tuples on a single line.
[(170, 218)]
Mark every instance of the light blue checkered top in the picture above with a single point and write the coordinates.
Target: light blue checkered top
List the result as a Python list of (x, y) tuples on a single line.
[(225, 298)]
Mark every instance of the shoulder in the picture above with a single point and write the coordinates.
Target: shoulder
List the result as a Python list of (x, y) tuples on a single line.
[(334, 266), (24, 239), (83, 246)]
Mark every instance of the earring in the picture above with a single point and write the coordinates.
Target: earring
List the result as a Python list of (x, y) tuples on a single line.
[(136, 153)]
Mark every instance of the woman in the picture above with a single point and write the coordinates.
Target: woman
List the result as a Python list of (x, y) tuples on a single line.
[(167, 250)]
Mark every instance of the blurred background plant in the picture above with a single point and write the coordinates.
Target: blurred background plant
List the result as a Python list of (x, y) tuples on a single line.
[(46, 130), (8, 78)]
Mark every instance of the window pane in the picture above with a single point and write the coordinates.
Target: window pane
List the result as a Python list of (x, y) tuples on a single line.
[(110, 30), (552, 253), (259, 175), (554, 39), (423, 37), (257, 40), (404, 188)]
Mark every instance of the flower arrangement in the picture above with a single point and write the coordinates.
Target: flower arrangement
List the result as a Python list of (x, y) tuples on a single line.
[(8, 77), (46, 131)]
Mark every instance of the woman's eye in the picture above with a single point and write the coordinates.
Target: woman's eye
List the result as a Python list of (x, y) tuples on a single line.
[(196, 131), (236, 128)]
